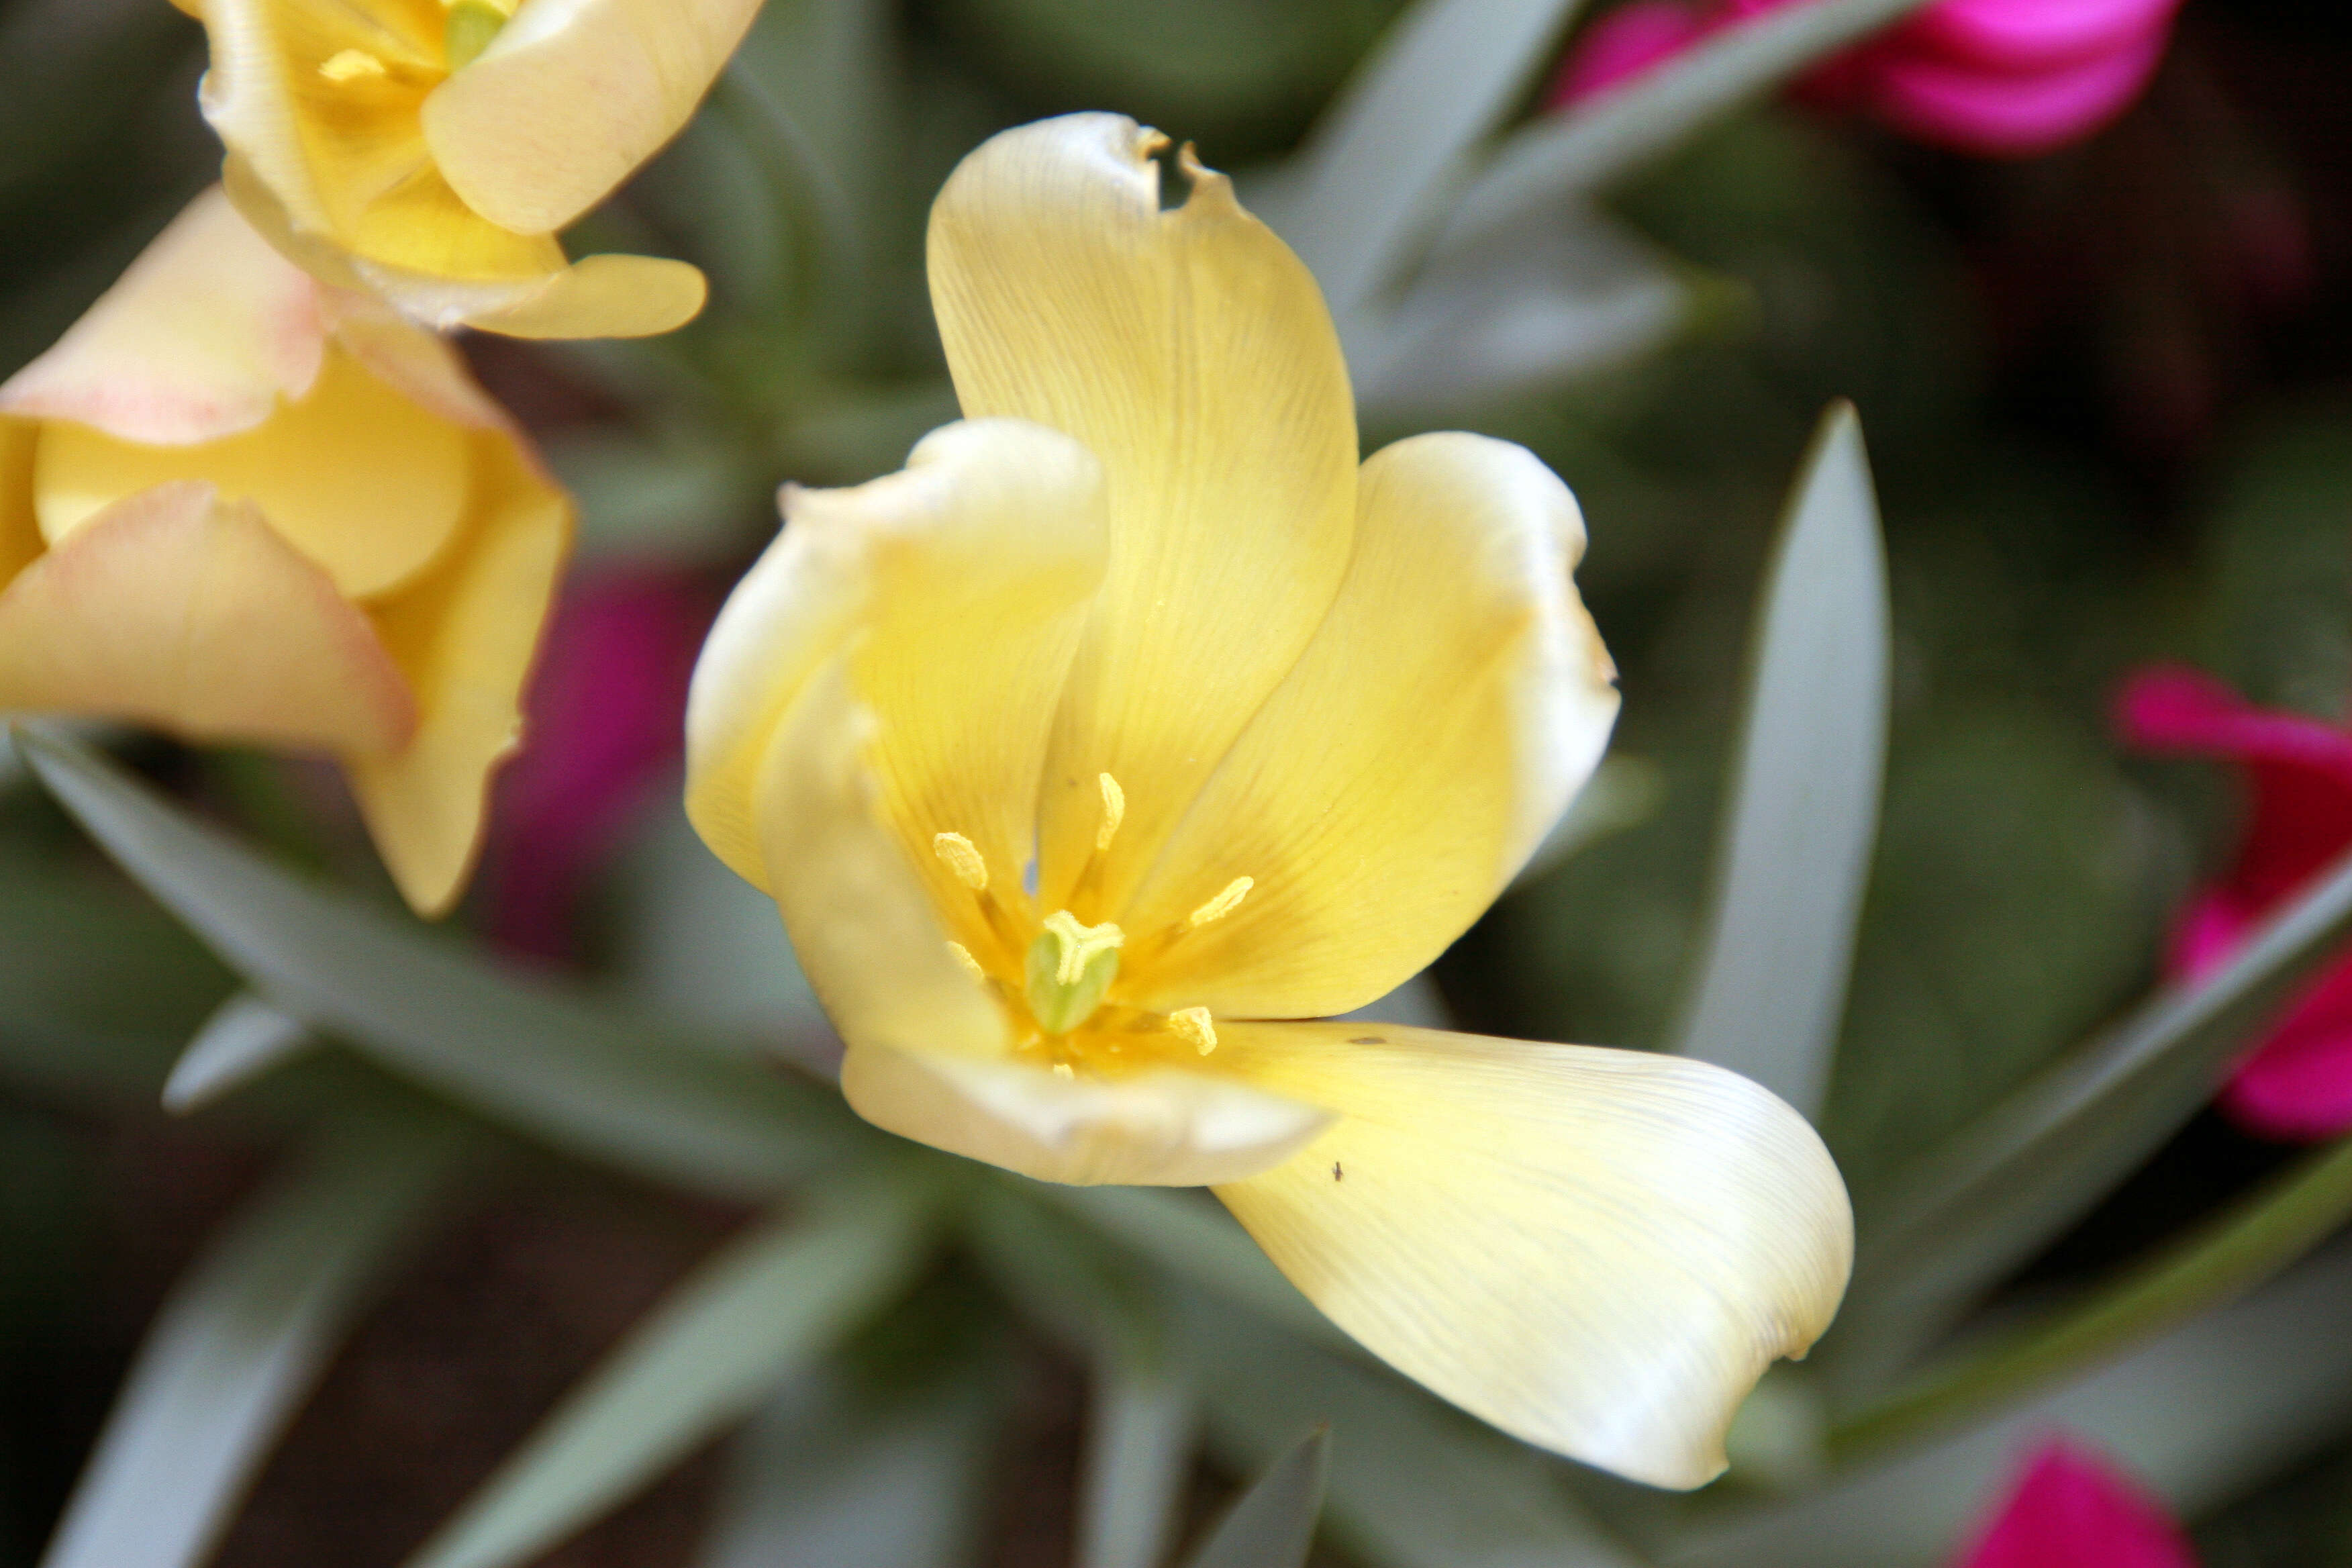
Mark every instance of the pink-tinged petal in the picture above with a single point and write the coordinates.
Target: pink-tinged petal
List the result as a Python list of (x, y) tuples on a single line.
[(175, 609), (1990, 115), (2297, 1085), (2071, 1509), (1623, 45), (199, 339), (606, 716), (2035, 35), (2301, 771)]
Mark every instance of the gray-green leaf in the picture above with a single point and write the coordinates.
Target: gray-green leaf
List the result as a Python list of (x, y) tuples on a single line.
[(576, 1075), (242, 1340), (1804, 803), (759, 1311)]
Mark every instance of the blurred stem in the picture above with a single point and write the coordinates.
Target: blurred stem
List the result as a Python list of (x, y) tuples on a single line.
[(2259, 1238)]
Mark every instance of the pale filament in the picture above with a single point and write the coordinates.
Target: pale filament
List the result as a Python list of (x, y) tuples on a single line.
[(968, 866), (1227, 901)]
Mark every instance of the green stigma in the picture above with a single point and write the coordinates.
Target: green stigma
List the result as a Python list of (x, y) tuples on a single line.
[(469, 29), (1070, 967)]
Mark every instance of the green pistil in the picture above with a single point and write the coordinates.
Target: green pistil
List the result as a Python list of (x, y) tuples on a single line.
[(469, 29), (1070, 967)]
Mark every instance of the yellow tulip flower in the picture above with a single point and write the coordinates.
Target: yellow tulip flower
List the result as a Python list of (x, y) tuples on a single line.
[(242, 507), (1135, 723), (427, 150)]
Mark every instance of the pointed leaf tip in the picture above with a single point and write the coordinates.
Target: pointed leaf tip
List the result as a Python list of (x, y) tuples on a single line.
[(1274, 1523)]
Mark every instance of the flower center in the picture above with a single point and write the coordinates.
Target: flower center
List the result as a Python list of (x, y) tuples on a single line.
[(1070, 967), (1061, 975)]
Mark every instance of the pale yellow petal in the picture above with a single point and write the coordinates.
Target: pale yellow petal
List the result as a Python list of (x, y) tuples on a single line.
[(20, 531), (967, 575), (1596, 1251), (465, 635), (353, 475), (1191, 353), (862, 924), (571, 97), (445, 266), (1453, 702), (422, 366), (1164, 1128), (200, 337), (174, 609), (602, 296), (328, 145)]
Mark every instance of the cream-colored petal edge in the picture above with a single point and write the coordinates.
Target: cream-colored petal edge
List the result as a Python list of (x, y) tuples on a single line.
[(571, 97), (199, 339), (987, 512), (172, 608), (1167, 1127), (1454, 700), (1190, 352), (595, 297), (861, 923), (1596, 1251), (466, 635)]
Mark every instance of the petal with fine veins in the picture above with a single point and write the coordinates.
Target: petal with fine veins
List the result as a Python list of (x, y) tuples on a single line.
[(352, 474), (969, 575), (1598, 1251), (1454, 700), (1191, 353), (199, 339), (1167, 1127), (173, 608), (465, 634), (571, 97), (862, 924)]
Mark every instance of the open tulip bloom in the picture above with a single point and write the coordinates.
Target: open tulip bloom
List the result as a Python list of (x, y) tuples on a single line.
[(1134, 724), (427, 150), (243, 507)]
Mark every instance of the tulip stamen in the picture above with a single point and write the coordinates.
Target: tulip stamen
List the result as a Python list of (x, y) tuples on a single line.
[(962, 859), (351, 64), (1194, 1027), (964, 959), (1227, 901), (1114, 803)]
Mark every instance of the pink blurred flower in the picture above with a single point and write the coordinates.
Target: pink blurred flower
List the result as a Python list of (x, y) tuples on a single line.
[(2070, 1509), (2297, 1084), (1995, 77), (603, 723)]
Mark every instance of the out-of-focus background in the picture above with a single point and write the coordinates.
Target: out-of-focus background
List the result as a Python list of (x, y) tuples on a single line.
[(2109, 398)]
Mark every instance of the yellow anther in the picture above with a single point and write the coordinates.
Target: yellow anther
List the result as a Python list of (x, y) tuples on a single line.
[(963, 956), (1193, 1026), (1063, 1070), (351, 65), (1114, 800), (1223, 904), (959, 854)]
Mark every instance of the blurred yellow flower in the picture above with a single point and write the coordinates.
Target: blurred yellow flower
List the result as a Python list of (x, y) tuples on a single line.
[(1134, 720), (427, 150), (242, 507)]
